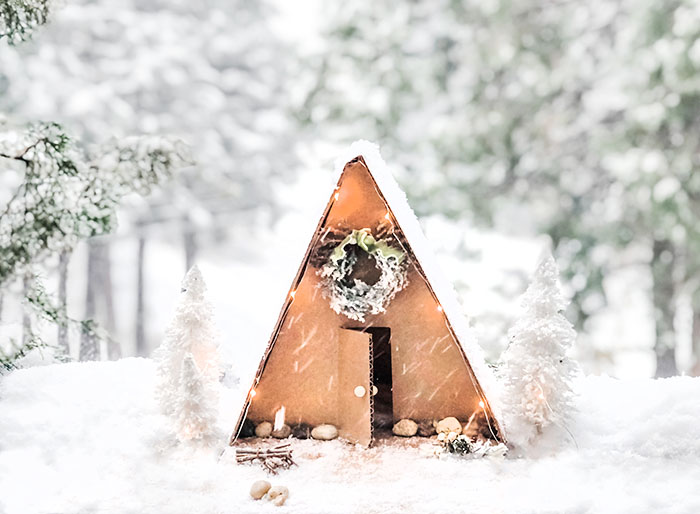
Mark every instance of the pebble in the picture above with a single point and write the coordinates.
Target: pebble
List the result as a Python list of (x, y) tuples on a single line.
[(405, 428), (259, 488), (278, 494), (301, 431), (282, 432), (426, 428), (324, 432), (264, 429), (448, 425)]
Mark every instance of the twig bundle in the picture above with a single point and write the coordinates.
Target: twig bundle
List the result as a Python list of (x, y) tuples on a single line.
[(271, 458)]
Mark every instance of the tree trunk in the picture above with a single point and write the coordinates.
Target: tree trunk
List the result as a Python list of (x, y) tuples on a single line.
[(63, 342), (664, 295), (140, 306), (114, 350), (188, 232), (26, 319), (695, 335), (695, 370), (190, 241), (88, 341)]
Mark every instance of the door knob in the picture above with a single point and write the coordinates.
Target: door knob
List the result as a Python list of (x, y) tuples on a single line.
[(360, 391)]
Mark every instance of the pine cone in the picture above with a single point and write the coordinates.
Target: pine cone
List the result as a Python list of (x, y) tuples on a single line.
[(330, 239), (384, 230)]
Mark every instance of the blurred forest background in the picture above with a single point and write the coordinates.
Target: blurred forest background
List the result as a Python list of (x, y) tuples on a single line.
[(510, 124)]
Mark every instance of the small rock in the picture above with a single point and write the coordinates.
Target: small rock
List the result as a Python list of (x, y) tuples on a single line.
[(259, 488), (324, 432), (282, 432), (264, 429), (448, 425), (301, 431), (426, 428), (405, 428), (278, 495), (247, 429)]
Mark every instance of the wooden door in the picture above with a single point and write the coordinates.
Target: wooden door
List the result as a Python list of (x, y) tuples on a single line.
[(354, 387)]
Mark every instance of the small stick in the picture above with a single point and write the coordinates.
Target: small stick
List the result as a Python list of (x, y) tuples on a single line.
[(271, 458)]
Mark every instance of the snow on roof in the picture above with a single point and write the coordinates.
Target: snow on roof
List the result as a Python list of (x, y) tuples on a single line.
[(443, 289)]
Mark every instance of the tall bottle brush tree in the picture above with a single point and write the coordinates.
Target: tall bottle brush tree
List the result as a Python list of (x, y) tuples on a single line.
[(188, 364), (536, 369)]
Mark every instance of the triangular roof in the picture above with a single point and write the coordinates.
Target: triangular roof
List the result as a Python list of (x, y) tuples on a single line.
[(396, 202)]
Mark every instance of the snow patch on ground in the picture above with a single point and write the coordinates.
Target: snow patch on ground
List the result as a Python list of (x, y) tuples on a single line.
[(87, 437)]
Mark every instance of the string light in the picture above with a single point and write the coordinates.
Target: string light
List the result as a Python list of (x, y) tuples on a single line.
[(387, 217), (292, 294), (253, 393), (439, 308), (336, 196), (483, 407)]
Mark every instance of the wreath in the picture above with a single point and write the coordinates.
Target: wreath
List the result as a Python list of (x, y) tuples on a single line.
[(354, 297)]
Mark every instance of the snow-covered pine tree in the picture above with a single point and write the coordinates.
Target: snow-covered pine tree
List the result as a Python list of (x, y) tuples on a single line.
[(536, 370), (196, 405), (191, 333), (67, 194), (20, 18)]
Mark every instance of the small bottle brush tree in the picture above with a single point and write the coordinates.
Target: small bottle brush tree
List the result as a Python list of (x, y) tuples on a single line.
[(196, 406), (188, 364), (536, 370)]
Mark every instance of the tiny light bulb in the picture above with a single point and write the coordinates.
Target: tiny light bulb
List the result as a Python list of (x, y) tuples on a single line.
[(541, 396), (439, 308), (387, 216), (481, 404), (293, 294), (336, 196), (252, 393)]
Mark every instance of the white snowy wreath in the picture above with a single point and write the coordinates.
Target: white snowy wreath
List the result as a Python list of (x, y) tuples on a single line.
[(357, 299)]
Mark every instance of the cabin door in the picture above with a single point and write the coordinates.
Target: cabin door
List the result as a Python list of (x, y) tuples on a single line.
[(355, 387)]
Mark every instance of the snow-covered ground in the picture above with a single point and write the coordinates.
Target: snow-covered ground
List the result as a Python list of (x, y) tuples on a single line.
[(87, 437)]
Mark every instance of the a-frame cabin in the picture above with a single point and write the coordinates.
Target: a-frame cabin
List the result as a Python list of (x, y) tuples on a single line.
[(416, 360)]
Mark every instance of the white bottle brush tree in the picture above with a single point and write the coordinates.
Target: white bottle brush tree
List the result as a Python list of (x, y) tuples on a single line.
[(537, 373), (188, 365)]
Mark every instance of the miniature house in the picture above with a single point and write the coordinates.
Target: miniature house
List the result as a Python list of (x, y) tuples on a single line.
[(359, 363)]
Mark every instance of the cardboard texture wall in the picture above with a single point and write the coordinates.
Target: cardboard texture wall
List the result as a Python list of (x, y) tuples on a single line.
[(314, 364)]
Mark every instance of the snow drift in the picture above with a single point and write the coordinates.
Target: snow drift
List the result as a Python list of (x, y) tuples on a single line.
[(87, 437)]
